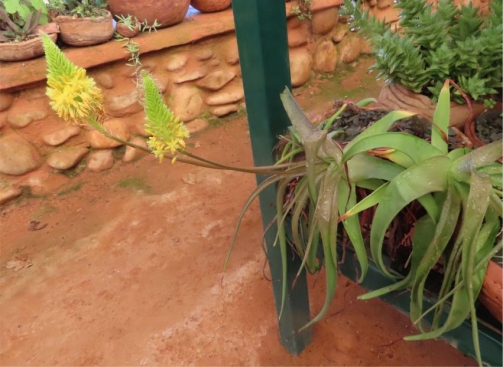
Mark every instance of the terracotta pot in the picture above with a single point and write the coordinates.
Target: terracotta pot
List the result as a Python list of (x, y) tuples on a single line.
[(166, 12), (85, 31), (210, 6), (492, 289), (472, 134), (395, 96), (24, 50), (125, 31)]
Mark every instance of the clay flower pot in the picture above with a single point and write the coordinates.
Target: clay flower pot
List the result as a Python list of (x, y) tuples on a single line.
[(492, 289), (85, 31), (210, 6), (165, 12), (29, 49), (395, 96), (24, 50), (127, 32)]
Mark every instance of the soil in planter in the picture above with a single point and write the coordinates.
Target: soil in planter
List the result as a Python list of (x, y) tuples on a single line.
[(489, 126)]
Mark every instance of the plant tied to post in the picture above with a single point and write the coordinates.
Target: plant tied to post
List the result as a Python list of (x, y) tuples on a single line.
[(432, 45), (318, 180)]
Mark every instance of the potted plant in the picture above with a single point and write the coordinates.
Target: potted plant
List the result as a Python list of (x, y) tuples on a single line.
[(432, 44), (82, 22), (210, 6), (319, 179), (21, 24), (164, 12), (127, 26)]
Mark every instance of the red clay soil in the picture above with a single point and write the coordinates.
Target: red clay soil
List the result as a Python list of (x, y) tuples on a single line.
[(125, 268)]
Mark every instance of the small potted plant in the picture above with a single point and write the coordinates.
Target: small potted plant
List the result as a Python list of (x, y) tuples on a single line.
[(21, 24), (210, 6), (431, 44), (82, 23), (164, 13), (127, 26)]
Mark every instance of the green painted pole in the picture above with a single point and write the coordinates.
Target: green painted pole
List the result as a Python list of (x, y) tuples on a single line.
[(263, 53)]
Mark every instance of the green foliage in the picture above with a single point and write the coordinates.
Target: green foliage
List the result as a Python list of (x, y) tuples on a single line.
[(128, 21), (459, 191), (302, 10), (18, 18), (79, 8), (432, 46)]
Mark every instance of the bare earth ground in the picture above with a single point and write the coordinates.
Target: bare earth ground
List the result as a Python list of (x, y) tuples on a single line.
[(128, 271)]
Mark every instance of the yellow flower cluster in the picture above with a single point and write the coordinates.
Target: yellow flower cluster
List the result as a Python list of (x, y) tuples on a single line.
[(73, 96), (168, 133)]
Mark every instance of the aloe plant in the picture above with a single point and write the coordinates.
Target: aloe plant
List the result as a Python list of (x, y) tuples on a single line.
[(19, 18), (460, 192)]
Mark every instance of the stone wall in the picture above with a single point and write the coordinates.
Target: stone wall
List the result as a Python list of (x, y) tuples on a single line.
[(199, 80)]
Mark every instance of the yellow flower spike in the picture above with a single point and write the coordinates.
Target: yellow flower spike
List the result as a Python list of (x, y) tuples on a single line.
[(168, 133), (73, 96)]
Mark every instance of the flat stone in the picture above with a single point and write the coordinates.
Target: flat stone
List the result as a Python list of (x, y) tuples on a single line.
[(22, 119), (300, 66), (116, 127), (221, 111), (231, 52), (9, 193), (176, 62), (214, 62), (123, 105), (132, 153), (190, 76), (339, 32), (294, 22), (6, 100), (204, 54), (349, 49), (216, 80), (42, 182), (231, 95), (162, 85), (298, 36), (17, 155), (196, 126), (186, 103), (365, 47), (100, 161), (59, 137), (325, 57), (104, 80), (149, 66), (67, 157), (324, 21)]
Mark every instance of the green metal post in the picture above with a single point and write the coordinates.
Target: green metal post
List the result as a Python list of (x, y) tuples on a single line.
[(263, 52)]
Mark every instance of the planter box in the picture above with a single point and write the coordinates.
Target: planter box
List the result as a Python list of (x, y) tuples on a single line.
[(460, 338)]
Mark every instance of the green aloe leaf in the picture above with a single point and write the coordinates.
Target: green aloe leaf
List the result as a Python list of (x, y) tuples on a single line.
[(347, 197), (442, 234), (478, 158), (415, 148), (441, 117), (327, 215), (423, 235), (411, 184), (299, 121), (364, 167)]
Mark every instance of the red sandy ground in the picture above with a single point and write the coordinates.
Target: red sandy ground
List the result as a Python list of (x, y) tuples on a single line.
[(133, 276)]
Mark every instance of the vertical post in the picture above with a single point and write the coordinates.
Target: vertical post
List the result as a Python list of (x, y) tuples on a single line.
[(263, 51)]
